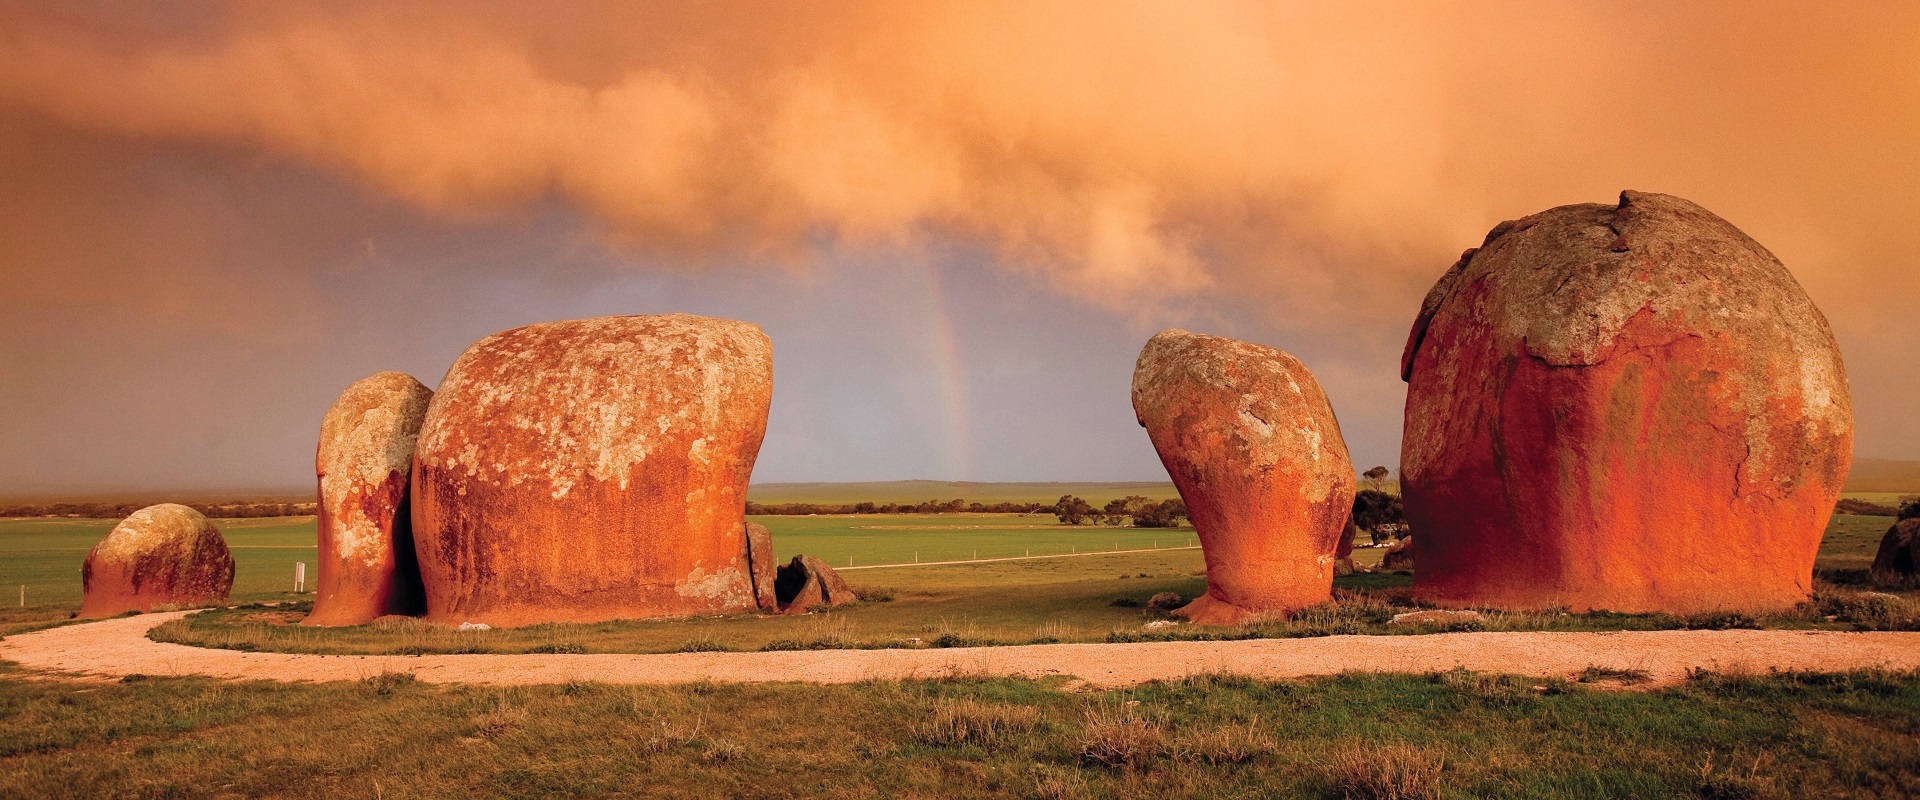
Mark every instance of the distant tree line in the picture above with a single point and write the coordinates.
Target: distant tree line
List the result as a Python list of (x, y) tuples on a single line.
[(955, 506), (236, 509)]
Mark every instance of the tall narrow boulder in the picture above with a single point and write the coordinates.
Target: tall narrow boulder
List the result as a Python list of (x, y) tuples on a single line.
[(364, 462), (592, 469), (1252, 444), (164, 555), (1629, 407), (761, 567)]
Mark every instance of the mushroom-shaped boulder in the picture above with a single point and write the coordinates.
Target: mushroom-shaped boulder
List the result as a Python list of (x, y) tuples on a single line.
[(1252, 444), (164, 555), (1629, 407), (365, 460), (592, 469)]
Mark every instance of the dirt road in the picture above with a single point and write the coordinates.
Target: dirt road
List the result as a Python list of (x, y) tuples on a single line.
[(119, 646)]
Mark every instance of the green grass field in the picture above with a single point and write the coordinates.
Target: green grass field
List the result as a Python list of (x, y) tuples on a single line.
[(1019, 601), (920, 491)]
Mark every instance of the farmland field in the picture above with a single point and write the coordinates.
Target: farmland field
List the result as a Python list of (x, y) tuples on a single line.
[(920, 491), (1040, 599)]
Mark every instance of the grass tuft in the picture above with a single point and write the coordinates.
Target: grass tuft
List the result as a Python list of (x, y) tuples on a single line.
[(966, 721), (1386, 772), (1120, 737)]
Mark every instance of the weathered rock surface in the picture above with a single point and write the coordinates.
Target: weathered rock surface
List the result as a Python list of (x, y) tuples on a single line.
[(592, 469), (1399, 556), (365, 460), (164, 555), (761, 567), (1630, 407), (1252, 444), (807, 582), (1343, 554), (1899, 556)]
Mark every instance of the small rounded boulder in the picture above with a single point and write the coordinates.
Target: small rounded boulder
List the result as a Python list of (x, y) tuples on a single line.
[(164, 555)]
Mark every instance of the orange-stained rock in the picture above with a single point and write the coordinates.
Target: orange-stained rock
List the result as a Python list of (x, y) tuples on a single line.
[(1252, 444), (164, 555), (367, 565), (1628, 407), (592, 469), (807, 582), (762, 569), (1898, 558)]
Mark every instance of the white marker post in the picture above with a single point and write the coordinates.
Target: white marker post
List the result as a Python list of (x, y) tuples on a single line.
[(299, 577)]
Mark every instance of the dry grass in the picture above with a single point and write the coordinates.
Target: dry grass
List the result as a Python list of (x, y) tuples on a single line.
[(954, 723), (1221, 744), (1386, 772), (1120, 737)]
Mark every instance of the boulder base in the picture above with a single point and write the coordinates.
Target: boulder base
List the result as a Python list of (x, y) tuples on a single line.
[(164, 555), (592, 469), (367, 564), (1252, 444), (1628, 407)]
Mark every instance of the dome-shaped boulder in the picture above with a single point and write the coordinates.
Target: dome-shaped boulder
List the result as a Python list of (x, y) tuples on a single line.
[(1629, 407), (1252, 444), (592, 469), (1898, 558), (364, 462), (164, 555)]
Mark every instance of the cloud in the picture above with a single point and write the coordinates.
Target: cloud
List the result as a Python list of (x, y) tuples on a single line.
[(1311, 166)]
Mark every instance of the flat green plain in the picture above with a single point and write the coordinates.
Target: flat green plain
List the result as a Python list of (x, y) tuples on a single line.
[(44, 555), (921, 491)]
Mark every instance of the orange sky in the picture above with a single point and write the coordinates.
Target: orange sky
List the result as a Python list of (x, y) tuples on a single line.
[(1290, 169)]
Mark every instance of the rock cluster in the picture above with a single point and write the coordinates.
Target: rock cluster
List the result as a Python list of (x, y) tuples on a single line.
[(807, 583), (164, 555), (592, 469), (367, 567), (1252, 444), (1629, 407)]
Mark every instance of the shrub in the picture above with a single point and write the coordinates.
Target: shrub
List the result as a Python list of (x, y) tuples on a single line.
[(1864, 508), (1165, 601), (558, 648)]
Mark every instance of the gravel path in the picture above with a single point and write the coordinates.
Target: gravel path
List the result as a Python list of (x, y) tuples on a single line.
[(119, 646)]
